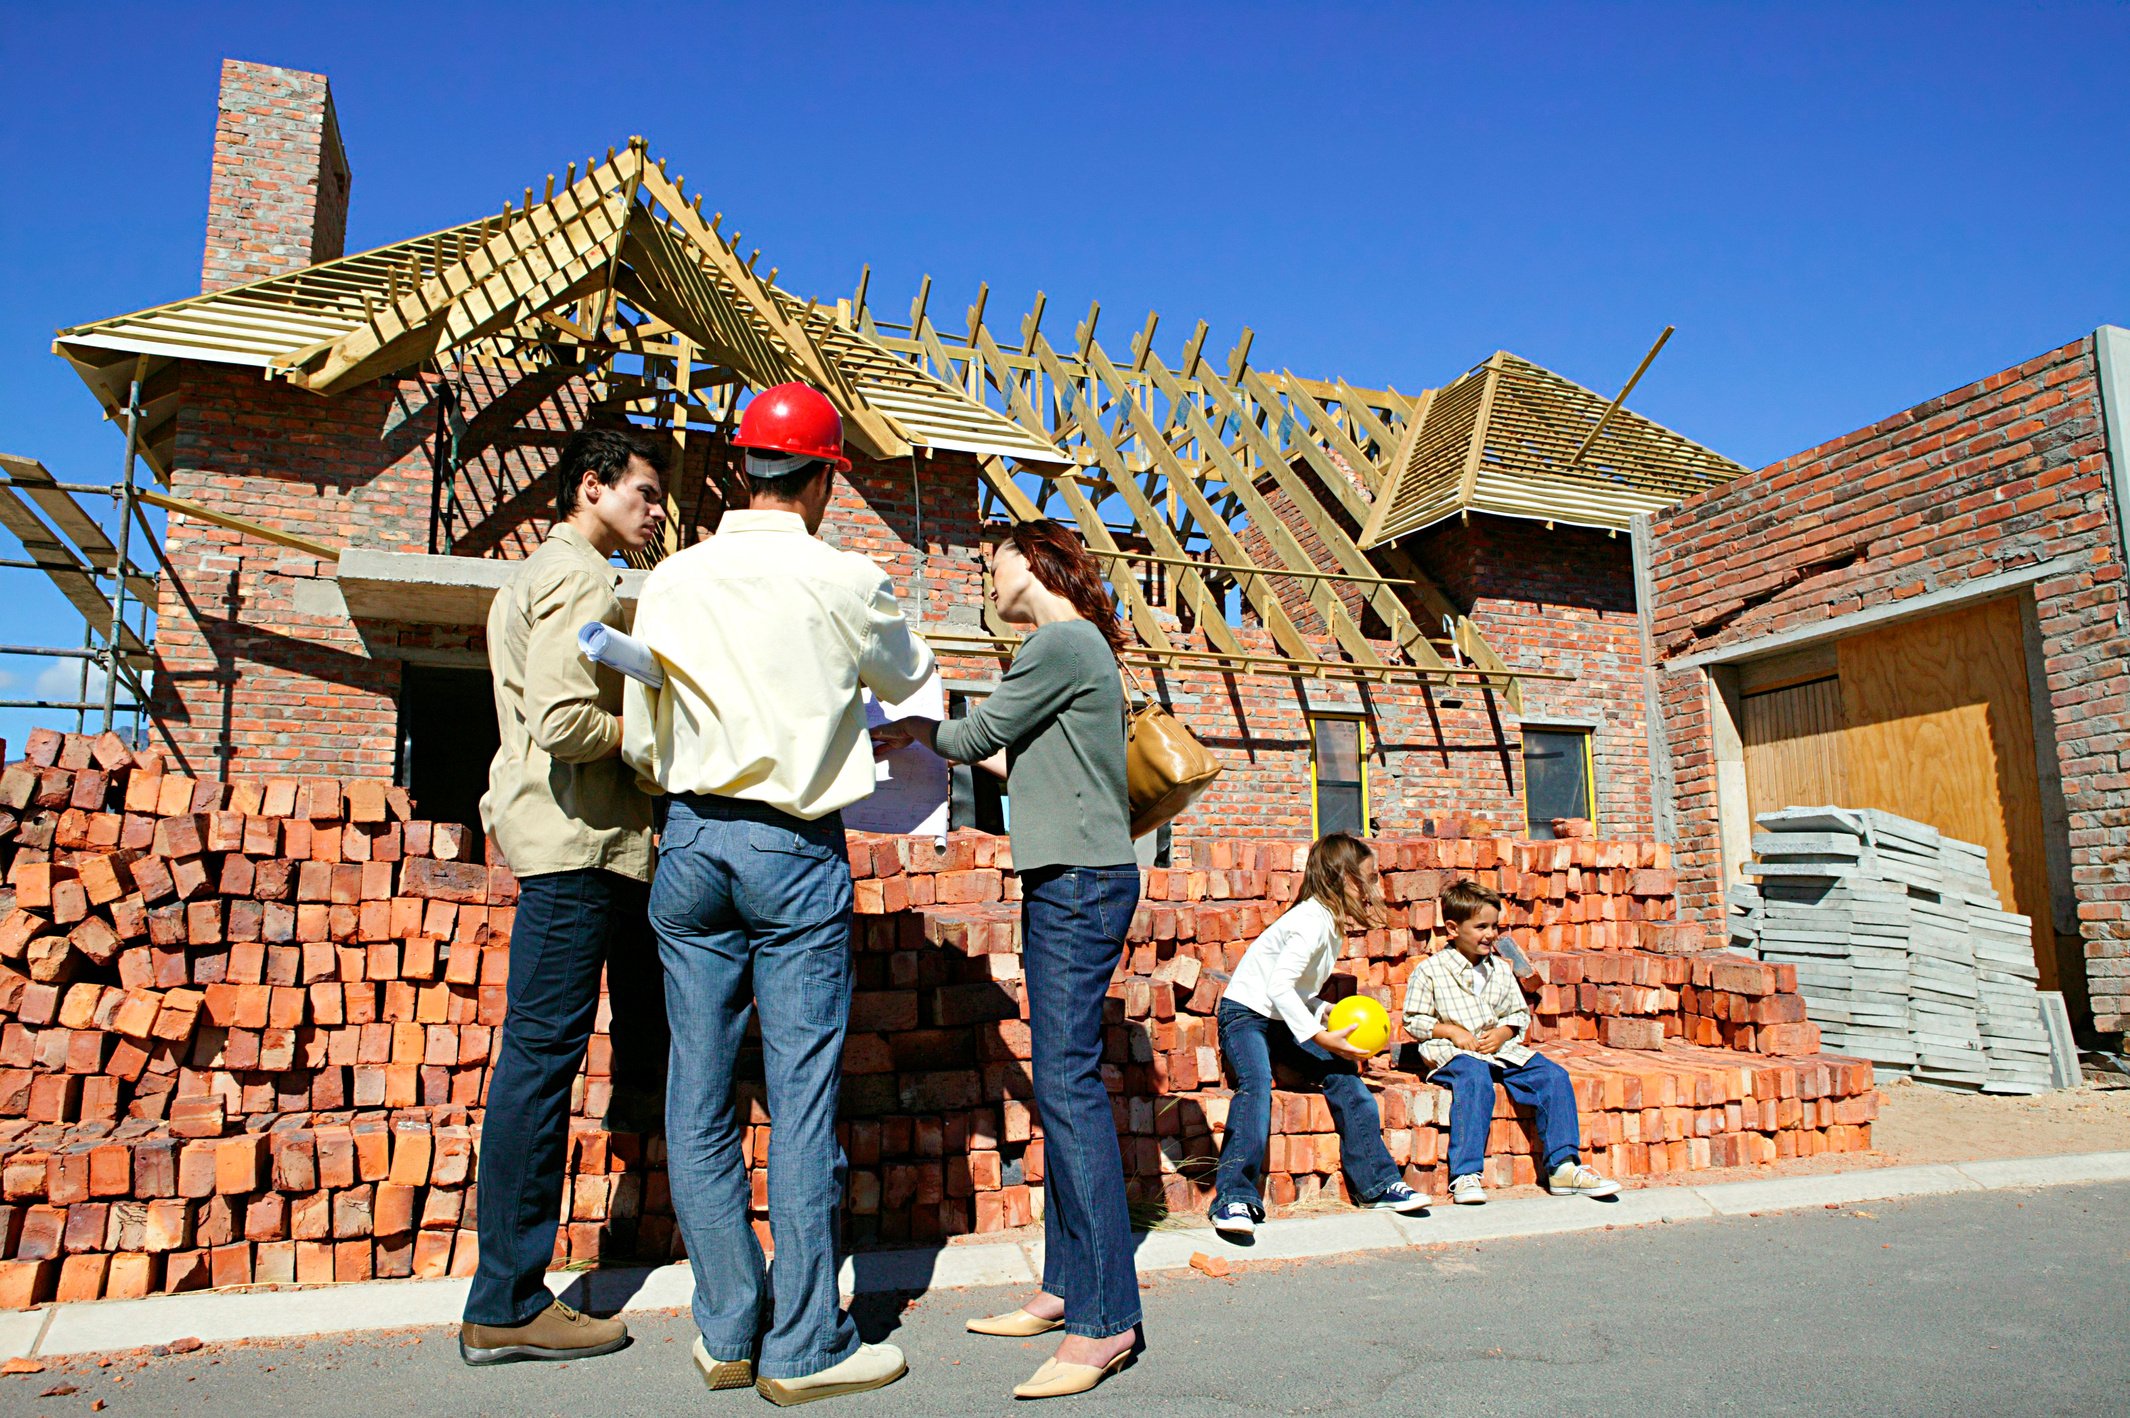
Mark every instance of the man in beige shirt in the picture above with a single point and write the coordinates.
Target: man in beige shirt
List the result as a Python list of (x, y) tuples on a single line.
[(576, 830), (765, 635)]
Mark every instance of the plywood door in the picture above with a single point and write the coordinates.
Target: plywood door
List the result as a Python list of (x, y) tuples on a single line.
[(1793, 746), (1938, 729)]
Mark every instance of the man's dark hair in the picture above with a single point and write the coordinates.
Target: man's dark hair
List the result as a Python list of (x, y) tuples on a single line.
[(788, 487), (604, 453)]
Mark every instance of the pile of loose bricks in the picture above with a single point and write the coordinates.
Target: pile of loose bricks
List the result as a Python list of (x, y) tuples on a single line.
[(245, 1028)]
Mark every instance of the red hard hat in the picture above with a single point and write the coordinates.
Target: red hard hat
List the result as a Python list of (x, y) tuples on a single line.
[(793, 419)]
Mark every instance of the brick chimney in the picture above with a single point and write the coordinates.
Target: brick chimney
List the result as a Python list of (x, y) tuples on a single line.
[(278, 197)]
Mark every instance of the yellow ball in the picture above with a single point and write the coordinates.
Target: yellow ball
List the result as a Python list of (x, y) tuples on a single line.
[(1371, 1023)]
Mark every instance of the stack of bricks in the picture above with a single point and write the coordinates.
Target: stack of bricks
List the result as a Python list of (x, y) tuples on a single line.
[(244, 1026), (1682, 1058), (245, 1029)]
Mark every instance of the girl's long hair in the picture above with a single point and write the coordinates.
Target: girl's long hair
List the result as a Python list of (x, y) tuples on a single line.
[(1064, 568), (1332, 875)]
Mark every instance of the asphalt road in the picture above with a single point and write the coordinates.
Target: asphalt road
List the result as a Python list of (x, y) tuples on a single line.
[(2002, 1303)]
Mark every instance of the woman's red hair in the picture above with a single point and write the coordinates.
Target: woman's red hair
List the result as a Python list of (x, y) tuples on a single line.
[(1064, 567)]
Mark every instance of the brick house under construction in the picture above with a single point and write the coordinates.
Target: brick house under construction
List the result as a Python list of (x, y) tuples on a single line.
[(1380, 609)]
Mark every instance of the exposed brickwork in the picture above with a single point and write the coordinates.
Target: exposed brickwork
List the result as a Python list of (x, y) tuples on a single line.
[(1560, 600), (278, 197), (1999, 475)]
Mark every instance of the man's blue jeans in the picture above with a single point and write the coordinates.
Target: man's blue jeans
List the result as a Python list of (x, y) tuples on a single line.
[(1538, 1083), (1248, 1042), (568, 924), (1073, 924), (752, 909)]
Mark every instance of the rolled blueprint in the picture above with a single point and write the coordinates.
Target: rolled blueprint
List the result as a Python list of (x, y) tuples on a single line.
[(604, 645)]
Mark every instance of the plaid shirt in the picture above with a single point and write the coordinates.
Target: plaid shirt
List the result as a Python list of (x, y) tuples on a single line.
[(1479, 997)]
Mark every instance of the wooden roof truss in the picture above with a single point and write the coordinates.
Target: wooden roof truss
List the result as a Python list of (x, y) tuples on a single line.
[(1188, 461)]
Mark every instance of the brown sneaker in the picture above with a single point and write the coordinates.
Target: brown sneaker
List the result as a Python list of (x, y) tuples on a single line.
[(557, 1332)]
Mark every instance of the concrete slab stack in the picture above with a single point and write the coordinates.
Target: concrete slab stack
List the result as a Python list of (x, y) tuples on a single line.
[(1902, 949)]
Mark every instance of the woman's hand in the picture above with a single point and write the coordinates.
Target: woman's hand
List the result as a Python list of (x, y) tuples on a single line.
[(894, 734), (1334, 1043)]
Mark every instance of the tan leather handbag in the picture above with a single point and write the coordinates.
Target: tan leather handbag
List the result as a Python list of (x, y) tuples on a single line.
[(1166, 767)]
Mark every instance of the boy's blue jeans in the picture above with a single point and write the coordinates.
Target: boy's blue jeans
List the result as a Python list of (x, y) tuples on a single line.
[(1539, 1083), (752, 909), (1247, 1043)]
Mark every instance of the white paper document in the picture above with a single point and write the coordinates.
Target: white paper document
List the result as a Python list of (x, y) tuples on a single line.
[(911, 785), (604, 645)]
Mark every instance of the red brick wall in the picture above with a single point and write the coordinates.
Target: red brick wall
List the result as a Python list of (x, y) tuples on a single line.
[(1561, 601), (260, 670), (1990, 478), (278, 194)]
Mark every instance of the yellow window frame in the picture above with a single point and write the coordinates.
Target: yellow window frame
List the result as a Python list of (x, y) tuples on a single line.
[(1360, 723), (1589, 738)]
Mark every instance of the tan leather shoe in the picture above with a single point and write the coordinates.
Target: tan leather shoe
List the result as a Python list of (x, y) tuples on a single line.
[(1016, 1324), (1058, 1379), (557, 1332), (870, 1366), (722, 1373)]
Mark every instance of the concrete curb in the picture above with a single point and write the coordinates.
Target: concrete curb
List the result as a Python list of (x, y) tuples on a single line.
[(61, 1330)]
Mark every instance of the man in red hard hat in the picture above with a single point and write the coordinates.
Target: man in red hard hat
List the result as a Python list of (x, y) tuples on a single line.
[(766, 635)]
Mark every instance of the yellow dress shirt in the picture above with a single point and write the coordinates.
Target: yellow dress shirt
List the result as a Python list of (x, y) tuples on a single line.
[(765, 634), (559, 797)]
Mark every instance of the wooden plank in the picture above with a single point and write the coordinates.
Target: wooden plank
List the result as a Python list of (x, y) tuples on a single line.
[(1281, 538), (1474, 454), (1793, 747), (322, 550), (1084, 515), (1939, 730), (72, 518), (1212, 614), (1261, 595)]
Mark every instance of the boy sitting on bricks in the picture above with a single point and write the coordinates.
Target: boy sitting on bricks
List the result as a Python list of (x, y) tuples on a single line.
[(1469, 1015)]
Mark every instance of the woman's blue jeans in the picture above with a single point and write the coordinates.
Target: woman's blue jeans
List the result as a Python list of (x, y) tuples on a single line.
[(1248, 1042), (1073, 924)]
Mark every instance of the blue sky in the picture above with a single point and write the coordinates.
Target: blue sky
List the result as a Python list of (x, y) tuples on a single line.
[(1844, 209)]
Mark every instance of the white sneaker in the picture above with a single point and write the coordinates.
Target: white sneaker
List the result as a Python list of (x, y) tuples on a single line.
[(870, 1366), (1577, 1179), (1234, 1219), (1466, 1190)]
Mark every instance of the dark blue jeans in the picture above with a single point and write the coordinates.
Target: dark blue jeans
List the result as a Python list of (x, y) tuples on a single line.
[(752, 909), (1248, 1044), (1538, 1083), (568, 924), (1073, 923)]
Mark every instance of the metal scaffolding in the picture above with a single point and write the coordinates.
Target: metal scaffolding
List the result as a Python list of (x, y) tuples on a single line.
[(93, 571)]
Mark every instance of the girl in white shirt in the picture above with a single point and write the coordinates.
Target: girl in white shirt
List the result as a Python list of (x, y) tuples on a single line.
[(1271, 1009)]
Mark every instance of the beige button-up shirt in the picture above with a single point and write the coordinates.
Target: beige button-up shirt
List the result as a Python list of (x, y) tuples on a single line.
[(559, 796), (766, 634), (1479, 997)]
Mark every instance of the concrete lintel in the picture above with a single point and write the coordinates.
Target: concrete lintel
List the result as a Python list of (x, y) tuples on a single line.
[(1975, 588), (418, 589)]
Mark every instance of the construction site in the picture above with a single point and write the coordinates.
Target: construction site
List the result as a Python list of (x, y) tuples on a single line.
[(253, 946)]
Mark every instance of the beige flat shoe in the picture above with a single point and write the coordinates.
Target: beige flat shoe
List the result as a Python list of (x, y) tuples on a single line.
[(723, 1373), (1059, 1380), (1016, 1324)]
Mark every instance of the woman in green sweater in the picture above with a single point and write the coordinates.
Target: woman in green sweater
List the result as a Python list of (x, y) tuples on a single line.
[(1054, 728)]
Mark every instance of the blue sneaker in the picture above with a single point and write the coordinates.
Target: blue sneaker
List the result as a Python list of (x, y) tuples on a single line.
[(1400, 1198), (1234, 1219)]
